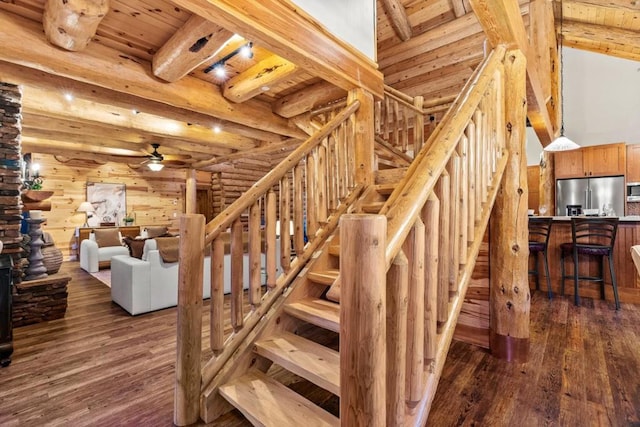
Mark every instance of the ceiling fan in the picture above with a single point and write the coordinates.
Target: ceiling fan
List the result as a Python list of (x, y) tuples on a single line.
[(155, 161)]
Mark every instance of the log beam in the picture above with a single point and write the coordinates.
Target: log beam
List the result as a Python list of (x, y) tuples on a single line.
[(602, 39), (307, 99), (509, 254), (194, 43), (271, 23), (502, 23), (258, 78), (71, 24), (99, 65), (398, 17)]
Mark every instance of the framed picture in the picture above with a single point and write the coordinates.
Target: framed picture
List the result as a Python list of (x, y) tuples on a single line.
[(109, 202)]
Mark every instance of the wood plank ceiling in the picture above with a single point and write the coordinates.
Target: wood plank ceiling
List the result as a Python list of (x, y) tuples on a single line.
[(141, 80)]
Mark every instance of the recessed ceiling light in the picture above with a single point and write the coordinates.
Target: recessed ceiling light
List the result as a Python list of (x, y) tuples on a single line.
[(216, 129), (68, 96), (220, 71), (265, 88)]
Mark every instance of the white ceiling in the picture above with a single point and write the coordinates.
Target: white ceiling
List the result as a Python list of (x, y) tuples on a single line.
[(602, 101)]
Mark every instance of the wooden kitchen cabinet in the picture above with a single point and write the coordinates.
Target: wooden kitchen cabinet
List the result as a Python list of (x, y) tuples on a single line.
[(633, 163), (596, 160), (568, 164)]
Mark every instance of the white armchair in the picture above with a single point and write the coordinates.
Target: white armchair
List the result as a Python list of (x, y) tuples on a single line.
[(97, 252)]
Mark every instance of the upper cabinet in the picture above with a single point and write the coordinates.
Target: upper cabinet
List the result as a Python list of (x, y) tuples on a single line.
[(596, 160), (633, 163)]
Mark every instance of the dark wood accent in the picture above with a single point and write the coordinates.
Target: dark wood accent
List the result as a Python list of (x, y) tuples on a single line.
[(533, 182), (626, 274), (595, 160), (509, 348), (582, 371)]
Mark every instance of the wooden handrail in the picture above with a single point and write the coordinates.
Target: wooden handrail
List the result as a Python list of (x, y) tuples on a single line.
[(224, 220), (432, 160)]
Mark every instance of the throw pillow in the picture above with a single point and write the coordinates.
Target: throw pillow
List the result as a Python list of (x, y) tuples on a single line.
[(156, 231), (135, 246), (107, 237)]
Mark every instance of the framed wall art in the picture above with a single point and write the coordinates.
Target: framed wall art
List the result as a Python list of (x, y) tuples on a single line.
[(109, 203)]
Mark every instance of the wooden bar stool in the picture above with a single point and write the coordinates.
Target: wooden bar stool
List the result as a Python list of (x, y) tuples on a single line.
[(539, 232), (593, 237)]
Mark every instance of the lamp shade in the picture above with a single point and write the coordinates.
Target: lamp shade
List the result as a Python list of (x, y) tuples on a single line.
[(85, 207), (562, 143)]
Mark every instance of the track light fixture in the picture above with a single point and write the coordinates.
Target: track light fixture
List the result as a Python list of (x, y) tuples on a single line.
[(218, 66)]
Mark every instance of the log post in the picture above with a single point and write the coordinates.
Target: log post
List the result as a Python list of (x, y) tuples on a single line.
[(509, 288), (190, 192), (547, 180), (364, 141), (189, 331), (363, 327)]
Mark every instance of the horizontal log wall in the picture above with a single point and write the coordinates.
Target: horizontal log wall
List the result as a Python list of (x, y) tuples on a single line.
[(153, 197), (231, 179)]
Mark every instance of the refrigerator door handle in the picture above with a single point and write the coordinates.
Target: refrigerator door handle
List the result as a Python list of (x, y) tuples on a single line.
[(587, 199)]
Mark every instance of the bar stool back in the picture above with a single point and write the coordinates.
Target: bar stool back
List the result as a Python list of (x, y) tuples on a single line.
[(593, 237), (539, 232)]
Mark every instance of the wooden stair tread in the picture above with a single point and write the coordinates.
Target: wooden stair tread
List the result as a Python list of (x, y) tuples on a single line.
[(323, 313), (372, 207), (334, 249), (323, 277), (305, 358), (266, 402), (385, 189)]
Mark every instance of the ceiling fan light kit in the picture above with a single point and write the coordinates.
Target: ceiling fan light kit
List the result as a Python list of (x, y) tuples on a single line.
[(155, 165)]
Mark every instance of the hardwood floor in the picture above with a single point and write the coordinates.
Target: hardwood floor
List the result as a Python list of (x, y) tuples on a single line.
[(99, 366)]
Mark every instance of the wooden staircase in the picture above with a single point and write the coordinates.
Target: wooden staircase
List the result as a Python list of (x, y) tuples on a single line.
[(435, 212), (267, 402)]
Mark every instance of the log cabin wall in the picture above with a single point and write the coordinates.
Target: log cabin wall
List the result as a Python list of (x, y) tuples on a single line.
[(153, 197)]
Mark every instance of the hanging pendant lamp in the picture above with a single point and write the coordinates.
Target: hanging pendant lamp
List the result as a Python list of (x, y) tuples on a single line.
[(561, 143)]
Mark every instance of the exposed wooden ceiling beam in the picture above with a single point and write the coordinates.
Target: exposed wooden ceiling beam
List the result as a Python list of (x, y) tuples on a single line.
[(54, 104), (100, 64), (606, 40), (272, 24), (72, 24), (258, 78), (39, 79), (398, 16), (194, 43), (267, 149), (502, 23), (307, 99)]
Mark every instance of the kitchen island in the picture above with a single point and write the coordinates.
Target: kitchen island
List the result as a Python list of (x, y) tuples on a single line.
[(628, 278)]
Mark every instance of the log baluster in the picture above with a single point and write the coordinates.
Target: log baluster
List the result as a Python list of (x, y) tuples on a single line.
[(285, 229), (216, 308), (255, 262), (237, 270), (430, 218), (472, 135), (442, 192), (397, 297), (413, 248), (418, 125), (463, 200), (312, 188), (298, 210), (271, 239), (453, 168), (321, 207)]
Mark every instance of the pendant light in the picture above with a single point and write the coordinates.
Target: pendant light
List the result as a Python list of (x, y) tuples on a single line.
[(561, 143)]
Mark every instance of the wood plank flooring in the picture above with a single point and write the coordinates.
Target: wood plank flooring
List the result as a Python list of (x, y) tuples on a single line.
[(99, 366)]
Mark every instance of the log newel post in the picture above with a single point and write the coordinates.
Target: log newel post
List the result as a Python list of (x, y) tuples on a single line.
[(509, 288), (547, 183), (189, 330), (364, 135), (363, 325)]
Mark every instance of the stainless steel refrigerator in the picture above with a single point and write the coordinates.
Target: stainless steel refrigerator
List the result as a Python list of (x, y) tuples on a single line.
[(591, 193)]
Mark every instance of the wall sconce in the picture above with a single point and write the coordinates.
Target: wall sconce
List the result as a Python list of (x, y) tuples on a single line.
[(218, 67)]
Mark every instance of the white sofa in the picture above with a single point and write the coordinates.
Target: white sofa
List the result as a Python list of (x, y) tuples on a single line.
[(91, 256), (148, 284)]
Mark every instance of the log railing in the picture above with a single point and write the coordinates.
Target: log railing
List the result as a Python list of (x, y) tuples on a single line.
[(433, 222), (399, 123), (309, 189)]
